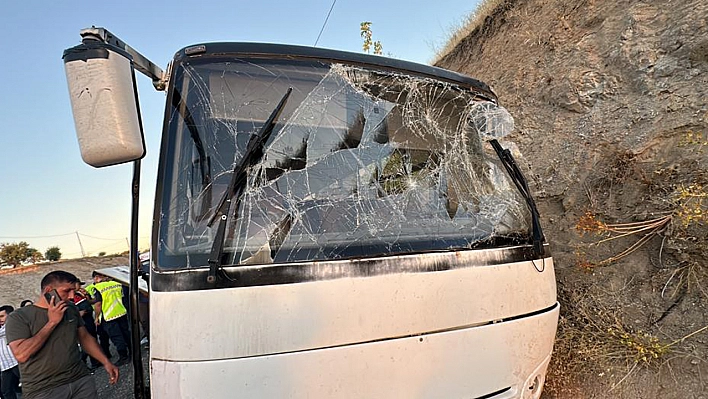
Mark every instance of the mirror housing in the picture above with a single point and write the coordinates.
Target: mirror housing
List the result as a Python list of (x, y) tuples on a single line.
[(104, 102)]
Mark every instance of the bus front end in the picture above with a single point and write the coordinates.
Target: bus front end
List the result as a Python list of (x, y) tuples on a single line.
[(330, 224)]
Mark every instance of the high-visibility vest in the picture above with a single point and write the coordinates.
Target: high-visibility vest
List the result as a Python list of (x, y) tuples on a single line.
[(91, 289), (111, 300)]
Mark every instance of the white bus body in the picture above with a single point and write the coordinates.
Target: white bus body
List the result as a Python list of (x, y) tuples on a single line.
[(466, 332), (336, 225)]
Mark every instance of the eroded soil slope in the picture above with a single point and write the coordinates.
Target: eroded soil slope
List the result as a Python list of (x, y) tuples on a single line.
[(609, 99)]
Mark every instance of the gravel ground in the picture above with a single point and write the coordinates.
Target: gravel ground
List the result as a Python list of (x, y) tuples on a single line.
[(124, 387)]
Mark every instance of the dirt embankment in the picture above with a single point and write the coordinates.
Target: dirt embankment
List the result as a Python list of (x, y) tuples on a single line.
[(609, 99)]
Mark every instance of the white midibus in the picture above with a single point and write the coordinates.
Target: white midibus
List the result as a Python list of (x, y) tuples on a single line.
[(326, 225)]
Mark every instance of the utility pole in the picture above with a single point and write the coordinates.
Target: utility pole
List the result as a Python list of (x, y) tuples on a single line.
[(83, 254)]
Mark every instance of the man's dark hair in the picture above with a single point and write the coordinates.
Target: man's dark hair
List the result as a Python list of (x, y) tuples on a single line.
[(7, 308), (26, 302), (58, 276)]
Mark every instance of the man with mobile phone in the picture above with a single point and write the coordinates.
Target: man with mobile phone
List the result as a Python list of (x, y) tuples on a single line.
[(45, 338)]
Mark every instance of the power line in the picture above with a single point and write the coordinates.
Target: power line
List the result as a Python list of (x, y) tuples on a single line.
[(108, 246), (325, 22), (100, 238), (65, 234), (49, 236)]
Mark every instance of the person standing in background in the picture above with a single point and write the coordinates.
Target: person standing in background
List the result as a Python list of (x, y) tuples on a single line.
[(45, 338), (110, 310), (81, 300), (101, 333), (10, 372)]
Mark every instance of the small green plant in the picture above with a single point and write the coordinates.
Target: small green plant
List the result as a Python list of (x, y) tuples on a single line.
[(366, 34), (101, 254)]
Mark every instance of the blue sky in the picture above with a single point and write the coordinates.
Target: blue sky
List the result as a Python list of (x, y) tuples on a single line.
[(48, 194)]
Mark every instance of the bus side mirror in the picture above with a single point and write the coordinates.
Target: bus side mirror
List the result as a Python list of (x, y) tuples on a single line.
[(104, 102)]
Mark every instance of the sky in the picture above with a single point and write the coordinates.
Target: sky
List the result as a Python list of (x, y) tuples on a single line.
[(48, 196)]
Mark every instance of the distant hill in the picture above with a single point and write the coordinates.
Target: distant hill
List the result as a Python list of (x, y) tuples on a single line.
[(610, 102)]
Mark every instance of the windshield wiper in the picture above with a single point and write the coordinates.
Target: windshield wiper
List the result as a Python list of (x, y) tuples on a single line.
[(253, 155), (520, 181)]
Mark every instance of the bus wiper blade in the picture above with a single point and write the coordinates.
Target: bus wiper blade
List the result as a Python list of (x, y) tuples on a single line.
[(520, 181), (253, 155)]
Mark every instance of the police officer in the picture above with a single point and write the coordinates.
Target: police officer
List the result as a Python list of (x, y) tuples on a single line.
[(112, 314), (102, 335)]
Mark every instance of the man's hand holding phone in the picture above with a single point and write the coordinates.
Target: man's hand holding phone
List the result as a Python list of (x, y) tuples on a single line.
[(57, 307)]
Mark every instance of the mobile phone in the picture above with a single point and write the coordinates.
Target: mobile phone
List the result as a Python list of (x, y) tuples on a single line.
[(50, 294)]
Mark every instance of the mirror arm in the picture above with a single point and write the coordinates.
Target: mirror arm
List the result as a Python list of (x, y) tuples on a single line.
[(140, 62)]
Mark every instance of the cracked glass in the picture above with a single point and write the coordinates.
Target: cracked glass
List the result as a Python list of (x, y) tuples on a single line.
[(361, 162)]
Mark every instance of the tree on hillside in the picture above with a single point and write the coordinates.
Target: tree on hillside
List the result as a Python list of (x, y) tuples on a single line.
[(16, 253), (33, 255), (53, 254)]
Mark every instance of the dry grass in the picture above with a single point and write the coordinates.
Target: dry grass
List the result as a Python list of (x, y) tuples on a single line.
[(594, 342), (689, 208), (592, 337), (466, 26), (645, 229)]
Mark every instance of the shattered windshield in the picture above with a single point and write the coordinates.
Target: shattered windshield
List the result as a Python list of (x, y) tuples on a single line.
[(360, 163)]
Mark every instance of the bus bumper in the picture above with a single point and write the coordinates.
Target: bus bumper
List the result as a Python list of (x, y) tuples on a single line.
[(502, 360)]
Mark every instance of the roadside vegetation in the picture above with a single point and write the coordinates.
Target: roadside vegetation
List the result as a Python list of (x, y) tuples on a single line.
[(466, 26), (16, 254), (615, 131), (665, 215), (53, 254)]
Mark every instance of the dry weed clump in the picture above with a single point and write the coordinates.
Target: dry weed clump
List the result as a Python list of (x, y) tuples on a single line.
[(588, 223), (593, 338), (691, 204), (639, 347), (601, 336), (582, 262), (591, 328), (688, 277), (689, 207), (474, 20)]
